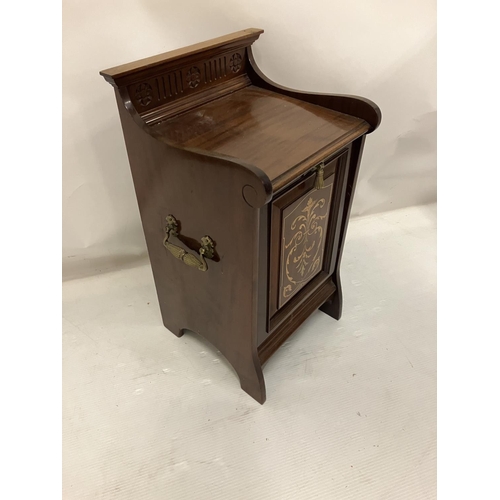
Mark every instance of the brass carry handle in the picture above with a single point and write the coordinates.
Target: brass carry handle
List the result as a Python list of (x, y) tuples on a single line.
[(206, 251)]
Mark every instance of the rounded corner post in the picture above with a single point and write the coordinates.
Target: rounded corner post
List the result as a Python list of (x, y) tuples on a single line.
[(260, 191)]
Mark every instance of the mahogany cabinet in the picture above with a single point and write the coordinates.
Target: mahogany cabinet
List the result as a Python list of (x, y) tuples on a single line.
[(244, 189)]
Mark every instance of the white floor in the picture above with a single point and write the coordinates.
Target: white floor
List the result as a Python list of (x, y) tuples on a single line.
[(351, 405)]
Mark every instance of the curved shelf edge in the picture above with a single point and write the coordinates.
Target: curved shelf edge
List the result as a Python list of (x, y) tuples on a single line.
[(357, 106)]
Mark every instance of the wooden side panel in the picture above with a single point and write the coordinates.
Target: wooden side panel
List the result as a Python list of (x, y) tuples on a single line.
[(207, 196)]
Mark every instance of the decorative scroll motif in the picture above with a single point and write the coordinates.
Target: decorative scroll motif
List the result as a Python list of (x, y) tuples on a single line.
[(303, 242), (193, 77), (144, 94), (235, 63)]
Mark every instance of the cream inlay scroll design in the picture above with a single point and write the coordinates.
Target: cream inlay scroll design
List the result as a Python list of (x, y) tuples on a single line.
[(302, 253)]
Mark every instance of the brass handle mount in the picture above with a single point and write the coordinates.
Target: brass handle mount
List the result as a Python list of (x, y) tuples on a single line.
[(319, 183), (206, 251)]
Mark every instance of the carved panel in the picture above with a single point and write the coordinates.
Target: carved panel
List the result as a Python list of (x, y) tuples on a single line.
[(195, 77), (172, 84), (215, 69), (143, 94), (303, 237)]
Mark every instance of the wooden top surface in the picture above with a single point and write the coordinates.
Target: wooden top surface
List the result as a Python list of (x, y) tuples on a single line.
[(282, 136)]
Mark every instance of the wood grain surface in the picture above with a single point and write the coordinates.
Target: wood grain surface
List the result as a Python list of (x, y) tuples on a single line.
[(282, 136)]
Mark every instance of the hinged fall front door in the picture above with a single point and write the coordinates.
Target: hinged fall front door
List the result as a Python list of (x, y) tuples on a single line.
[(304, 235)]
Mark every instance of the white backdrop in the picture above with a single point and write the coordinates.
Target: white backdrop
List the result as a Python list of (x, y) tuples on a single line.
[(384, 50)]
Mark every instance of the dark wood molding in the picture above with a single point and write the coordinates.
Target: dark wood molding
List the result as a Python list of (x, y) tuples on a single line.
[(136, 70), (185, 103)]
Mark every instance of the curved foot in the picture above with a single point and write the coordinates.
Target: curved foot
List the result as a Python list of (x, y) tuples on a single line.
[(252, 382), (179, 332), (247, 367), (333, 306)]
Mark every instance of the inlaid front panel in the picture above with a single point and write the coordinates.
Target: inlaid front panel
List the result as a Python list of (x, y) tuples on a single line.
[(303, 236)]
